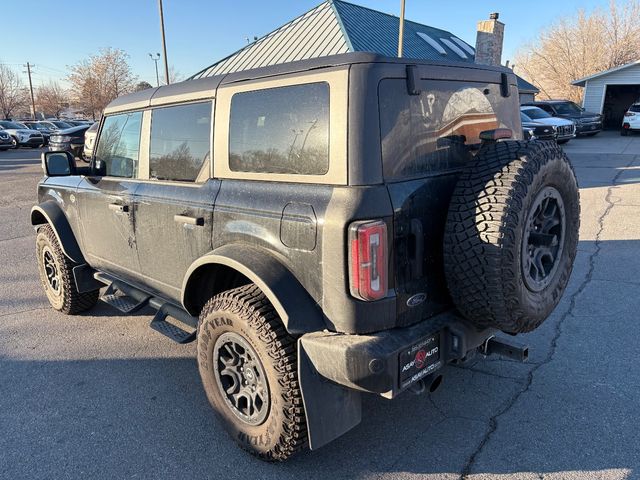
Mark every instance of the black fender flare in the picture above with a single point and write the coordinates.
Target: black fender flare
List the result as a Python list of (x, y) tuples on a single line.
[(51, 213), (298, 311)]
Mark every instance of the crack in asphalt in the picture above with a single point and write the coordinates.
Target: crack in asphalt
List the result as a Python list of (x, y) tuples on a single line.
[(491, 374), (23, 311), (507, 405), (15, 238)]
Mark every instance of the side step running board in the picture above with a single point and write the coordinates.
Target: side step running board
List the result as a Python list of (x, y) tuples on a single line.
[(128, 299), (174, 332), (124, 299)]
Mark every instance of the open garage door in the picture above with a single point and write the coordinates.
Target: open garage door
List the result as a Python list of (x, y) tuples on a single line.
[(617, 100)]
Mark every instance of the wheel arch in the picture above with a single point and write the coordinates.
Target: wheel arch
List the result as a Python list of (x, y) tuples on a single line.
[(236, 265), (50, 213)]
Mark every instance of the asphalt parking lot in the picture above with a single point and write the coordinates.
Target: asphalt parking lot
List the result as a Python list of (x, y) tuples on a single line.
[(103, 396)]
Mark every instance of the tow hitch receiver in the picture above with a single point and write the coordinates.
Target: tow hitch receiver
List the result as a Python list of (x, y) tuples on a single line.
[(505, 348)]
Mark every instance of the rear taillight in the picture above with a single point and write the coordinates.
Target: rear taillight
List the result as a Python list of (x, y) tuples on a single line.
[(629, 114), (368, 259)]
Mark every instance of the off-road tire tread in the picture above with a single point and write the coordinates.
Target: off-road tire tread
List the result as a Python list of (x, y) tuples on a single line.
[(480, 238), (250, 302), (74, 301)]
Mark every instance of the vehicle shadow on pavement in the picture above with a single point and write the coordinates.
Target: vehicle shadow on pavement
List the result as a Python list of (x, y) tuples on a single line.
[(142, 416)]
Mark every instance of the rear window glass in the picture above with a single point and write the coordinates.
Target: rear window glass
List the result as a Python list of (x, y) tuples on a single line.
[(635, 108), (436, 131), (180, 140), (280, 130)]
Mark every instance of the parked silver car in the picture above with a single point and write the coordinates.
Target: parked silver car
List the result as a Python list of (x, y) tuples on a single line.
[(565, 129), (21, 135)]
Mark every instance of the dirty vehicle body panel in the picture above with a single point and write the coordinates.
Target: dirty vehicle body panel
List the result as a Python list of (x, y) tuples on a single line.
[(374, 139)]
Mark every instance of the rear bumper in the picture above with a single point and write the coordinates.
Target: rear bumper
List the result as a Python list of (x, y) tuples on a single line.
[(335, 368), (372, 363)]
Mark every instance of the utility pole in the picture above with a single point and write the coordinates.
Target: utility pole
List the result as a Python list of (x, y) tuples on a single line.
[(33, 102), (155, 60), (164, 43), (401, 30)]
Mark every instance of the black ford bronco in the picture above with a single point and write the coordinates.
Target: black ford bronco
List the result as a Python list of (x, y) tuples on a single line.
[(322, 229)]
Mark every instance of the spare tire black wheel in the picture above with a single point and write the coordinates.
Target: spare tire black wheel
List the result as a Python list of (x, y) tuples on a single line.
[(511, 235)]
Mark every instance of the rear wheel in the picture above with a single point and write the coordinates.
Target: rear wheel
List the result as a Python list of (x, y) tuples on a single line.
[(248, 366), (511, 235), (56, 275)]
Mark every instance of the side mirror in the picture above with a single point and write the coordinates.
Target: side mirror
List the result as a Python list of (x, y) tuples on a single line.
[(98, 168), (58, 164)]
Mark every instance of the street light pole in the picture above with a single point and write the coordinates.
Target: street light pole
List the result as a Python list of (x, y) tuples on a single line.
[(155, 60), (164, 43)]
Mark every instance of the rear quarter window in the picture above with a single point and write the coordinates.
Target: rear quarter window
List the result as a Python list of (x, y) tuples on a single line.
[(435, 131), (280, 130)]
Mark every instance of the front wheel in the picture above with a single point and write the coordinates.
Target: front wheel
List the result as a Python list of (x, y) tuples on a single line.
[(248, 365), (15, 144), (56, 275)]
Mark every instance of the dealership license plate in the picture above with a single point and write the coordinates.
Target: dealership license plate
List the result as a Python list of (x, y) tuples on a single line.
[(419, 360)]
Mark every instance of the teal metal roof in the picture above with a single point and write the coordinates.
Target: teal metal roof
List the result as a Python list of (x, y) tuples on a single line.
[(335, 27), (373, 31)]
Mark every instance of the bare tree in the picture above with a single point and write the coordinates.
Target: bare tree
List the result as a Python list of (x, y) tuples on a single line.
[(99, 79), (12, 92), (142, 86), (174, 75), (52, 99), (576, 47)]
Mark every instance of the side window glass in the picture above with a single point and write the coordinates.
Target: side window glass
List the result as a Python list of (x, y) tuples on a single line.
[(119, 144), (280, 130), (180, 141)]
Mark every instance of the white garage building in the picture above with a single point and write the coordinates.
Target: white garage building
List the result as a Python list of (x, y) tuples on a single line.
[(611, 92)]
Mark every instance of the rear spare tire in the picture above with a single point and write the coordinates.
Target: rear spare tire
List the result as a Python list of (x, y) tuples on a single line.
[(511, 235)]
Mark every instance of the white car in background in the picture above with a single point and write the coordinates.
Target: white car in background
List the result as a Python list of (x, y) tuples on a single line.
[(631, 120), (565, 129), (21, 135)]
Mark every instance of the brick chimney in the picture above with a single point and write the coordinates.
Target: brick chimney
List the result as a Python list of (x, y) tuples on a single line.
[(489, 41)]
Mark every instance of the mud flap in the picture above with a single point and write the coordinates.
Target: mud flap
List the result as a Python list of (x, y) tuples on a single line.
[(331, 409)]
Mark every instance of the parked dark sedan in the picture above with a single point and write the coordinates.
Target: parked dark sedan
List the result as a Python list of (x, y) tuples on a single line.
[(587, 123), (70, 140)]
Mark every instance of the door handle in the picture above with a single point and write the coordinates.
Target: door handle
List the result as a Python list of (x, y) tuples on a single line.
[(187, 220), (119, 208)]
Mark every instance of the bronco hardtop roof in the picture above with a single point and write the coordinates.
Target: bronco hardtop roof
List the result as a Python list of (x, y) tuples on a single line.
[(195, 89)]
